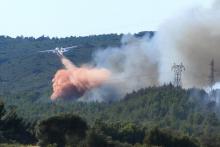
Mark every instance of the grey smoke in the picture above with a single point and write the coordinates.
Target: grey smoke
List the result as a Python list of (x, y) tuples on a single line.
[(192, 38), (133, 66)]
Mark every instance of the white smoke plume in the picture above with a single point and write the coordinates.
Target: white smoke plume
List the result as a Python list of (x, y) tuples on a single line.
[(192, 38), (133, 66)]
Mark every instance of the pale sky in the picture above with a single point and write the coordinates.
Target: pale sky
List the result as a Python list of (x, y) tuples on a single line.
[(61, 18)]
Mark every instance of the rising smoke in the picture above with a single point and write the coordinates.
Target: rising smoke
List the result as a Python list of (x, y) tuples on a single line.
[(133, 66), (192, 38)]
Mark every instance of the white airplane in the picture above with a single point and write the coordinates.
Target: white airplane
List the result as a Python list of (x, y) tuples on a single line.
[(59, 51)]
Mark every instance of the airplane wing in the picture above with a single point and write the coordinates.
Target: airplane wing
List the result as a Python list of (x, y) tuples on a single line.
[(66, 49), (47, 51), (70, 47)]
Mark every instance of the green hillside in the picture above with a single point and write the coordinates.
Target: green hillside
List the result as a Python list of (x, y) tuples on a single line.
[(176, 110), (25, 70), (162, 116)]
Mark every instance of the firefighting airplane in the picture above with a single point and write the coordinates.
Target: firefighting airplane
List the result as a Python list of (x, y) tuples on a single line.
[(59, 51)]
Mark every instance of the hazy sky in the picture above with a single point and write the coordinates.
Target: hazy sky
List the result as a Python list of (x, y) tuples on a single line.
[(85, 17)]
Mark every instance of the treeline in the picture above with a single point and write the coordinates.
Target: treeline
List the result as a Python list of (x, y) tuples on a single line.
[(71, 130), (14, 128), (173, 114)]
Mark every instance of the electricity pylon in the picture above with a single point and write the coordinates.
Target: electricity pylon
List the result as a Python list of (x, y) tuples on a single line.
[(178, 69), (212, 75)]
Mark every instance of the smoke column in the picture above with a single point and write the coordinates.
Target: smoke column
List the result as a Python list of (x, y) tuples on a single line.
[(192, 38), (72, 81), (133, 66)]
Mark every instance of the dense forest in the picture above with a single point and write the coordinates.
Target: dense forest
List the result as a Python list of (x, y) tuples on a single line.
[(165, 116)]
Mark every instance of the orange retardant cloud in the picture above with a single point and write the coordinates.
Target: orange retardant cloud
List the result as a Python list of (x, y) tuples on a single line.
[(73, 82)]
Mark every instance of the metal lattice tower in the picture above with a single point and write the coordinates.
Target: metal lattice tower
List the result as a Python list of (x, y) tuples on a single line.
[(178, 69), (212, 75)]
